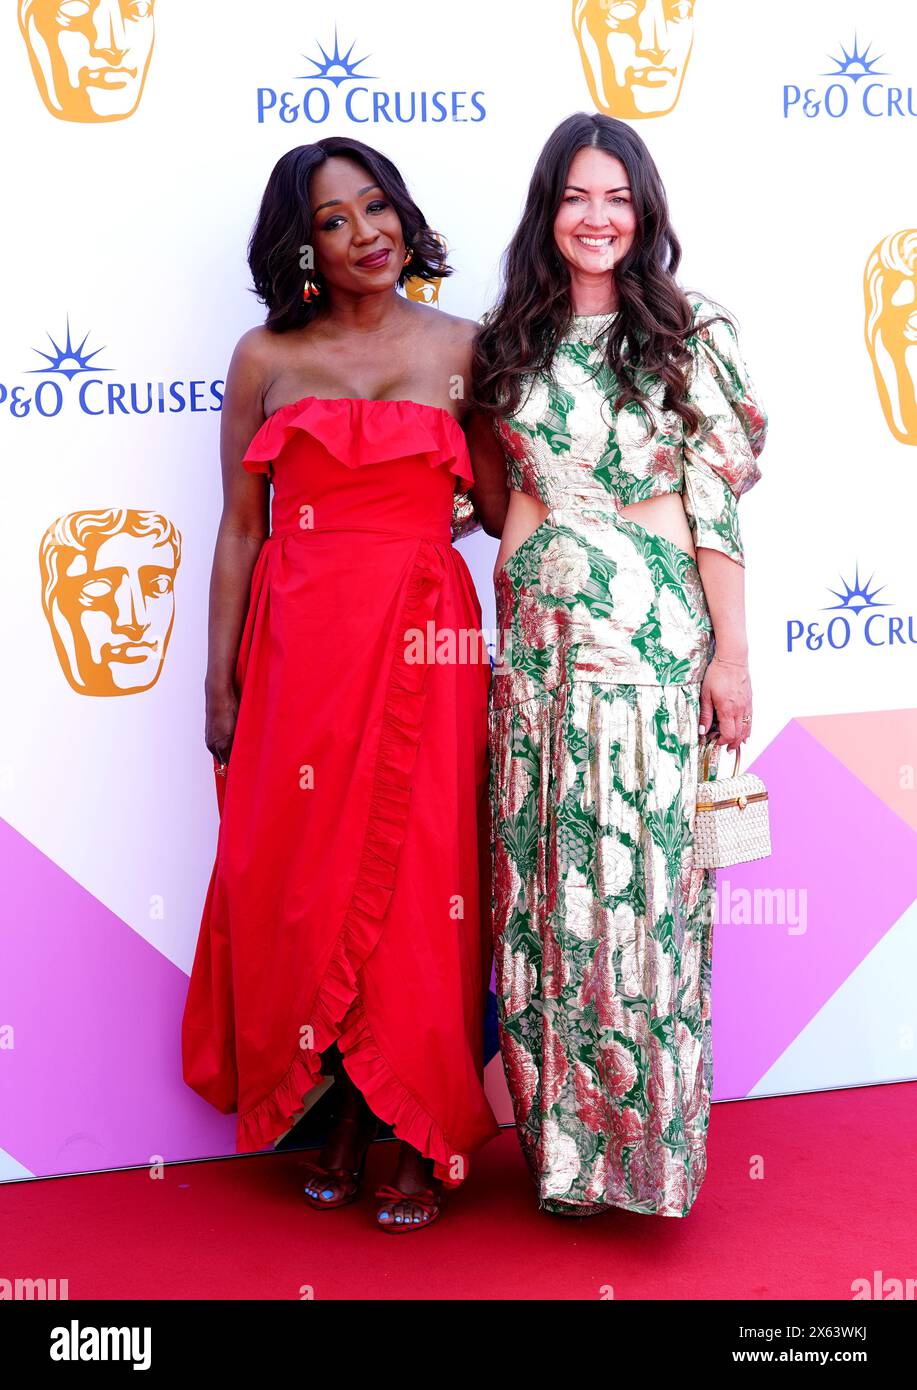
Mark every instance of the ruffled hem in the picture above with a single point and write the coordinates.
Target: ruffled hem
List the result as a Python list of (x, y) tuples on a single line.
[(360, 432), (336, 1013)]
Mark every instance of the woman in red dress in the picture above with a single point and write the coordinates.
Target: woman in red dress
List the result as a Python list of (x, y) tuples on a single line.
[(345, 932)]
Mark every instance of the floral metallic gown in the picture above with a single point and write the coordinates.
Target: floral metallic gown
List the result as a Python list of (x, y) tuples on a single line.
[(603, 927)]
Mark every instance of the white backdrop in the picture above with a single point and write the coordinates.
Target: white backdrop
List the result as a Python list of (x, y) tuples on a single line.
[(135, 230)]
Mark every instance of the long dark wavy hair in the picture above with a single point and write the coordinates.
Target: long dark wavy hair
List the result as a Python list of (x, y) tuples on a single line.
[(284, 228), (535, 310)]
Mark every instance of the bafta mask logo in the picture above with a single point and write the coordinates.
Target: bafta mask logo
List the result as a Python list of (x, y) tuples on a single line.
[(890, 288), (634, 53), (107, 590), (423, 291), (89, 57), (426, 291)]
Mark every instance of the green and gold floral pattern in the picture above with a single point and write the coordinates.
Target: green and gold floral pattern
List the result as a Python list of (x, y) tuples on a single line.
[(603, 927)]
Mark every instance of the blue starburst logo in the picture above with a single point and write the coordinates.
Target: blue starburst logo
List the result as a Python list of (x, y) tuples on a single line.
[(855, 65), (858, 596), (336, 67), (69, 360)]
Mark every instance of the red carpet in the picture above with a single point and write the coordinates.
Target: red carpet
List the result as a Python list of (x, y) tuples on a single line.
[(837, 1201)]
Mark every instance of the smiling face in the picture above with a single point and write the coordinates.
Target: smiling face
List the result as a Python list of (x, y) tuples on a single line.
[(89, 57), (595, 224), (634, 53), (359, 245)]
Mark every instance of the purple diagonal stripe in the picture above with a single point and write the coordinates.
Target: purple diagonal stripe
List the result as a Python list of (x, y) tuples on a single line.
[(857, 862), (94, 1078)]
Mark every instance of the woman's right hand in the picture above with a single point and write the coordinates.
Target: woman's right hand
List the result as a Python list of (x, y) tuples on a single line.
[(222, 709)]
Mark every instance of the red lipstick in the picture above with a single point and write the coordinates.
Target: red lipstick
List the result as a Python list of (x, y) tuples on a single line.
[(374, 260)]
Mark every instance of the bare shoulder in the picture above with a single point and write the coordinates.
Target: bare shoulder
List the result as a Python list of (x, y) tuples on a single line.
[(251, 370), (446, 340), (440, 327), (258, 359), (461, 331), (256, 347), (452, 338)]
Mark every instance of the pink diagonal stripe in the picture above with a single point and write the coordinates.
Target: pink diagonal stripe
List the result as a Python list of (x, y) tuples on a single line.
[(857, 862), (94, 1078), (876, 746)]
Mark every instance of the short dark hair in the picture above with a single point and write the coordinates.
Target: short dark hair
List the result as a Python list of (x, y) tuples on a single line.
[(284, 226)]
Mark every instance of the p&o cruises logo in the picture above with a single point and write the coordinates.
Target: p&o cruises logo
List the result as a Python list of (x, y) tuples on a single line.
[(856, 85), (71, 373), (860, 619), (336, 89)]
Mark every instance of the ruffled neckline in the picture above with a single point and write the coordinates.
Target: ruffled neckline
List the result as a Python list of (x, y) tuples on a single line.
[(361, 400), (363, 430)]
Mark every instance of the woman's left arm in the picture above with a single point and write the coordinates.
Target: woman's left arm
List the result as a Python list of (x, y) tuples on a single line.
[(720, 464), (726, 688)]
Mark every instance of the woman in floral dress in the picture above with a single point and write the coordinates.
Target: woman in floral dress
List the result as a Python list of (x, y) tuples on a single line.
[(630, 426)]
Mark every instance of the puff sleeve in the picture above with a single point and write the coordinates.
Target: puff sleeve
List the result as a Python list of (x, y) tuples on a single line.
[(721, 458)]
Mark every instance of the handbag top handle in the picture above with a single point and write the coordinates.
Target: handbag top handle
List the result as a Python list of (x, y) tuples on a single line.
[(710, 745)]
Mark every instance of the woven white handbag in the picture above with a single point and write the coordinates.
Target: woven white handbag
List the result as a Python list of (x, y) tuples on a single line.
[(731, 821)]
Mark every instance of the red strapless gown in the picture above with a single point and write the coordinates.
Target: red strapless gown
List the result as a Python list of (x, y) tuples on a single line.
[(352, 903)]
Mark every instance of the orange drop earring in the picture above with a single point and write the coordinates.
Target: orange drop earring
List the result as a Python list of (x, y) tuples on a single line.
[(410, 256), (311, 290)]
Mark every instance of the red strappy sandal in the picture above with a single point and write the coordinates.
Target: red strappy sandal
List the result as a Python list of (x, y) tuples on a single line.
[(427, 1200), (322, 1176)]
